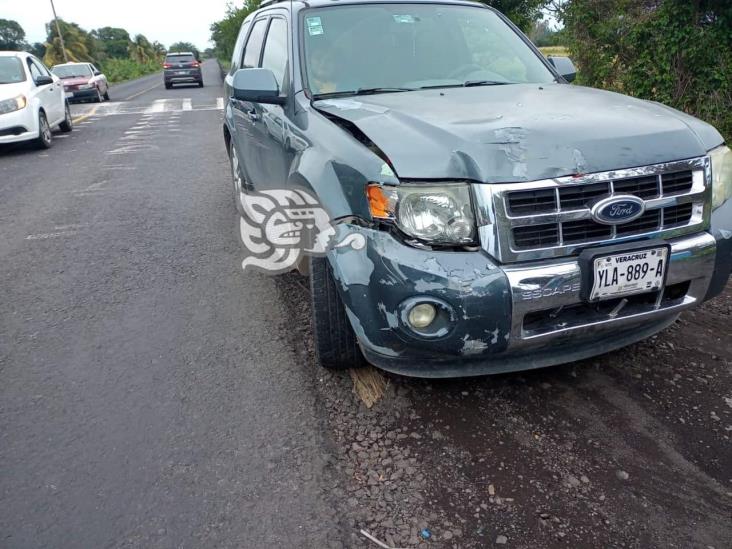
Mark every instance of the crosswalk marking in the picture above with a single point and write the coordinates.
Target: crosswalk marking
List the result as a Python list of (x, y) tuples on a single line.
[(172, 106), (157, 106)]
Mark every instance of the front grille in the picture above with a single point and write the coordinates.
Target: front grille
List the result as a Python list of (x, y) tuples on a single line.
[(536, 236), (571, 198), (553, 218), (532, 202), (585, 230), (676, 216), (649, 221), (642, 187), (677, 183)]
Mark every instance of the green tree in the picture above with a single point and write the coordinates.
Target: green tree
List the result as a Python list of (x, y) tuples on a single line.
[(12, 35), (523, 13), (79, 43), (114, 41), (225, 32), (141, 50), (184, 46), (678, 52)]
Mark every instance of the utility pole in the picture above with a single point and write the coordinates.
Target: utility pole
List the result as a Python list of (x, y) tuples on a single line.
[(58, 30)]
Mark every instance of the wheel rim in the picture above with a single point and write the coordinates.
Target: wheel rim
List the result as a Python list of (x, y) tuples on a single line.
[(236, 174), (45, 130)]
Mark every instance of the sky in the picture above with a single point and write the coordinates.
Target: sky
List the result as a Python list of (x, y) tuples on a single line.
[(166, 21)]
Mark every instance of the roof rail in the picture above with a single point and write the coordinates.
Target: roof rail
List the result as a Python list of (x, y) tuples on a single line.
[(265, 3)]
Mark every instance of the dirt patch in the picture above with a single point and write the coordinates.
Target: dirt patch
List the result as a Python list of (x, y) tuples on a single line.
[(630, 449)]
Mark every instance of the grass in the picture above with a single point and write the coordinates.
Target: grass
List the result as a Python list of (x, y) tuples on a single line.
[(555, 50)]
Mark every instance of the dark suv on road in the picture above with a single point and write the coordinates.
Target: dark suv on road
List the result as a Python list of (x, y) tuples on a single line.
[(182, 68), (508, 220)]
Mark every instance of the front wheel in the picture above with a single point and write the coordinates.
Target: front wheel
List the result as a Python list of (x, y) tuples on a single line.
[(106, 95), (336, 346), (45, 138), (200, 84), (68, 124), (98, 98)]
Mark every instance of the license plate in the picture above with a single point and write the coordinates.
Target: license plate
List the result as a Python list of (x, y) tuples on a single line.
[(69, 94), (629, 273), (182, 72)]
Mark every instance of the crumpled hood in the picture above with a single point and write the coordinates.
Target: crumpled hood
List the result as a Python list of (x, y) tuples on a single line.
[(521, 132)]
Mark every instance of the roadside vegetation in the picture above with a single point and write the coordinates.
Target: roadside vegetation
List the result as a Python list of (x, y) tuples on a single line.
[(677, 52), (117, 54)]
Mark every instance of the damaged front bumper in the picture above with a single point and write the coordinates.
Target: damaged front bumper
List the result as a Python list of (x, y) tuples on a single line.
[(499, 318)]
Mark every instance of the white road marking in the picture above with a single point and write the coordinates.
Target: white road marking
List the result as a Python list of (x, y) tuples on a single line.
[(220, 103), (187, 105), (119, 167), (157, 106), (45, 236)]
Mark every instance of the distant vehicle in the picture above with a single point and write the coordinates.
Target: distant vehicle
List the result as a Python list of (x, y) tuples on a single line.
[(82, 81), (32, 100), (181, 68)]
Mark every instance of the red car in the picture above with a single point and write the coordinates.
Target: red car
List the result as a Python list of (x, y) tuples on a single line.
[(82, 81)]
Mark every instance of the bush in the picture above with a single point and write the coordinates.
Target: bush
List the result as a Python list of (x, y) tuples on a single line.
[(118, 70), (677, 52)]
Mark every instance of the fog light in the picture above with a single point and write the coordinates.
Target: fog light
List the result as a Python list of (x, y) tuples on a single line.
[(422, 315)]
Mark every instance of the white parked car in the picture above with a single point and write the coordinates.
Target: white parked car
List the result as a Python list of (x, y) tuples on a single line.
[(32, 100)]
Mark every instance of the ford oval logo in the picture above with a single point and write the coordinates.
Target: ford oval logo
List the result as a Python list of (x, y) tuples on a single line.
[(617, 210)]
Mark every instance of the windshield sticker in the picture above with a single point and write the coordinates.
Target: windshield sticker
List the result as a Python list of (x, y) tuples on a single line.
[(403, 18), (315, 26)]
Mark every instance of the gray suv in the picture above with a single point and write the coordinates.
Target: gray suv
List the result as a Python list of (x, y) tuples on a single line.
[(507, 220), (181, 68)]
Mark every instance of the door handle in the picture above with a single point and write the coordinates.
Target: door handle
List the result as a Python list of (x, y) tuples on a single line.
[(253, 116)]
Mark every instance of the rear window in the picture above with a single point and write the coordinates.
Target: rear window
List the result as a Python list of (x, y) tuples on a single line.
[(180, 58)]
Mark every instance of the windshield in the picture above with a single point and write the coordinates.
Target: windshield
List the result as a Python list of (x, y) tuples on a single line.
[(11, 70), (411, 46), (72, 71)]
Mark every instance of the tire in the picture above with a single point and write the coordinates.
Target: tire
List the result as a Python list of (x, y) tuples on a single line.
[(200, 84), (168, 85), (106, 95), (98, 98), (237, 177), (45, 138), (68, 124), (336, 346)]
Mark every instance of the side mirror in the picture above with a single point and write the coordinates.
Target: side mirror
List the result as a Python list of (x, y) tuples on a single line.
[(97, 73), (257, 86), (564, 67), (43, 80)]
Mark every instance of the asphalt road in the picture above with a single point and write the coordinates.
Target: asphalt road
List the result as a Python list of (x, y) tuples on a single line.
[(153, 395), (147, 399)]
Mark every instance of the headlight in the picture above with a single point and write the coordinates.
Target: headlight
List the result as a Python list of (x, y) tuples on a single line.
[(14, 104), (439, 215), (86, 86), (721, 158)]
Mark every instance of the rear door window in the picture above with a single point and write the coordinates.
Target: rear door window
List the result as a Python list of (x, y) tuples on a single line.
[(275, 50), (254, 44)]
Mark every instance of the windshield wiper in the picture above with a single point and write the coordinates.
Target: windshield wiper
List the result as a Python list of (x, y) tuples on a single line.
[(360, 91), (471, 83)]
